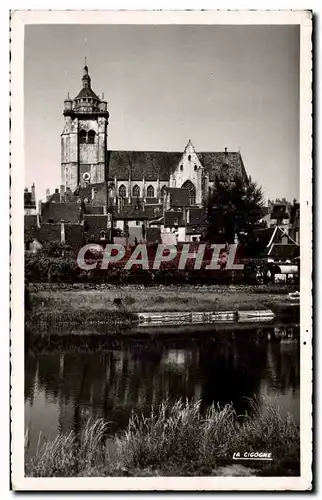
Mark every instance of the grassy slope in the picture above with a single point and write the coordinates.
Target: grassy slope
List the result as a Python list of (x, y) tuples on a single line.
[(174, 440), (68, 302)]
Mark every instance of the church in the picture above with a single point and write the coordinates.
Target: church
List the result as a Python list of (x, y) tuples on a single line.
[(137, 193)]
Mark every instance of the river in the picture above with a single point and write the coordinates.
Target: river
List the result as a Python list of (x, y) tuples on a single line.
[(64, 388)]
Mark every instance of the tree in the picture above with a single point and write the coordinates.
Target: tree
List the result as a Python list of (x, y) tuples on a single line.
[(233, 209)]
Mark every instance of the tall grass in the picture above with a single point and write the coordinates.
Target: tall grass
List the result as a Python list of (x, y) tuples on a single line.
[(176, 439), (70, 455)]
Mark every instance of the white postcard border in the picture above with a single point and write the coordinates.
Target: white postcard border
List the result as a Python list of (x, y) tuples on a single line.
[(19, 19)]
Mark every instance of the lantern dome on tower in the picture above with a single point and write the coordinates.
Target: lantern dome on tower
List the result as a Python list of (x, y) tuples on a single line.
[(86, 98), (87, 101)]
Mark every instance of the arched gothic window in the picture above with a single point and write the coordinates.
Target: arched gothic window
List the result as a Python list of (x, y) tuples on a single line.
[(136, 191), (82, 137), (122, 191), (91, 137), (150, 192), (192, 191)]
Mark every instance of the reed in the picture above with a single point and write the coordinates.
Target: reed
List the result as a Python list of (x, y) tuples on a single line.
[(175, 439)]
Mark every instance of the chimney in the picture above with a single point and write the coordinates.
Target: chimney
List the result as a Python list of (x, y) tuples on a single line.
[(62, 192), (38, 219), (183, 215), (226, 152), (33, 193), (62, 231), (130, 188), (115, 191), (158, 189), (47, 194), (109, 221), (39, 213), (143, 191)]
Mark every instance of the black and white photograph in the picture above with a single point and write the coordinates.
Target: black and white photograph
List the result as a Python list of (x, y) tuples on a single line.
[(161, 250)]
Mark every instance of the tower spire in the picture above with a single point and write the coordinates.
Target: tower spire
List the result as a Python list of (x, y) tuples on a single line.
[(86, 80)]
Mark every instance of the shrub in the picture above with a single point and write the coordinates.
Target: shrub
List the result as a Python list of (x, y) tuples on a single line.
[(43, 267), (56, 249)]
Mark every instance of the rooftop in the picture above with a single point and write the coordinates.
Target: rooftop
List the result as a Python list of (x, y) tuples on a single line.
[(153, 165)]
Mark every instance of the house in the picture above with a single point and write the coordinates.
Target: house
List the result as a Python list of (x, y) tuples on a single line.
[(284, 214)]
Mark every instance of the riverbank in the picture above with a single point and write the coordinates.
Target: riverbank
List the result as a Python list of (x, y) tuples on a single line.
[(176, 440), (118, 306), (98, 338)]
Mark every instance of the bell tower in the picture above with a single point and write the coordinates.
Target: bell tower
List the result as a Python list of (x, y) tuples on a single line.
[(84, 137)]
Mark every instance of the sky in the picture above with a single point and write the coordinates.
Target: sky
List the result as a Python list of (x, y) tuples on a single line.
[(220, 86)]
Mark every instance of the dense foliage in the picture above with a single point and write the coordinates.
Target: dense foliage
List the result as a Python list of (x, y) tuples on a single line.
[(58, 263), (41, 268), (233, 209)]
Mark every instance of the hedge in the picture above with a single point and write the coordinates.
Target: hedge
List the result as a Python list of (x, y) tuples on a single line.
[(41, 268)]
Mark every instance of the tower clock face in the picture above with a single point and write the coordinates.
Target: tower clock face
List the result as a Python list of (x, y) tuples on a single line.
[(86, 176)]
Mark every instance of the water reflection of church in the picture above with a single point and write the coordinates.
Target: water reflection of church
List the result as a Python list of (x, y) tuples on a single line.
[(111, 384)]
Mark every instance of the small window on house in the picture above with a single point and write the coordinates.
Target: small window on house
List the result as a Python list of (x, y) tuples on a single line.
[(284, 240), (137, 222), (82, 137), (51, 221), (91, 137), (103, 235), (175, 222)]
